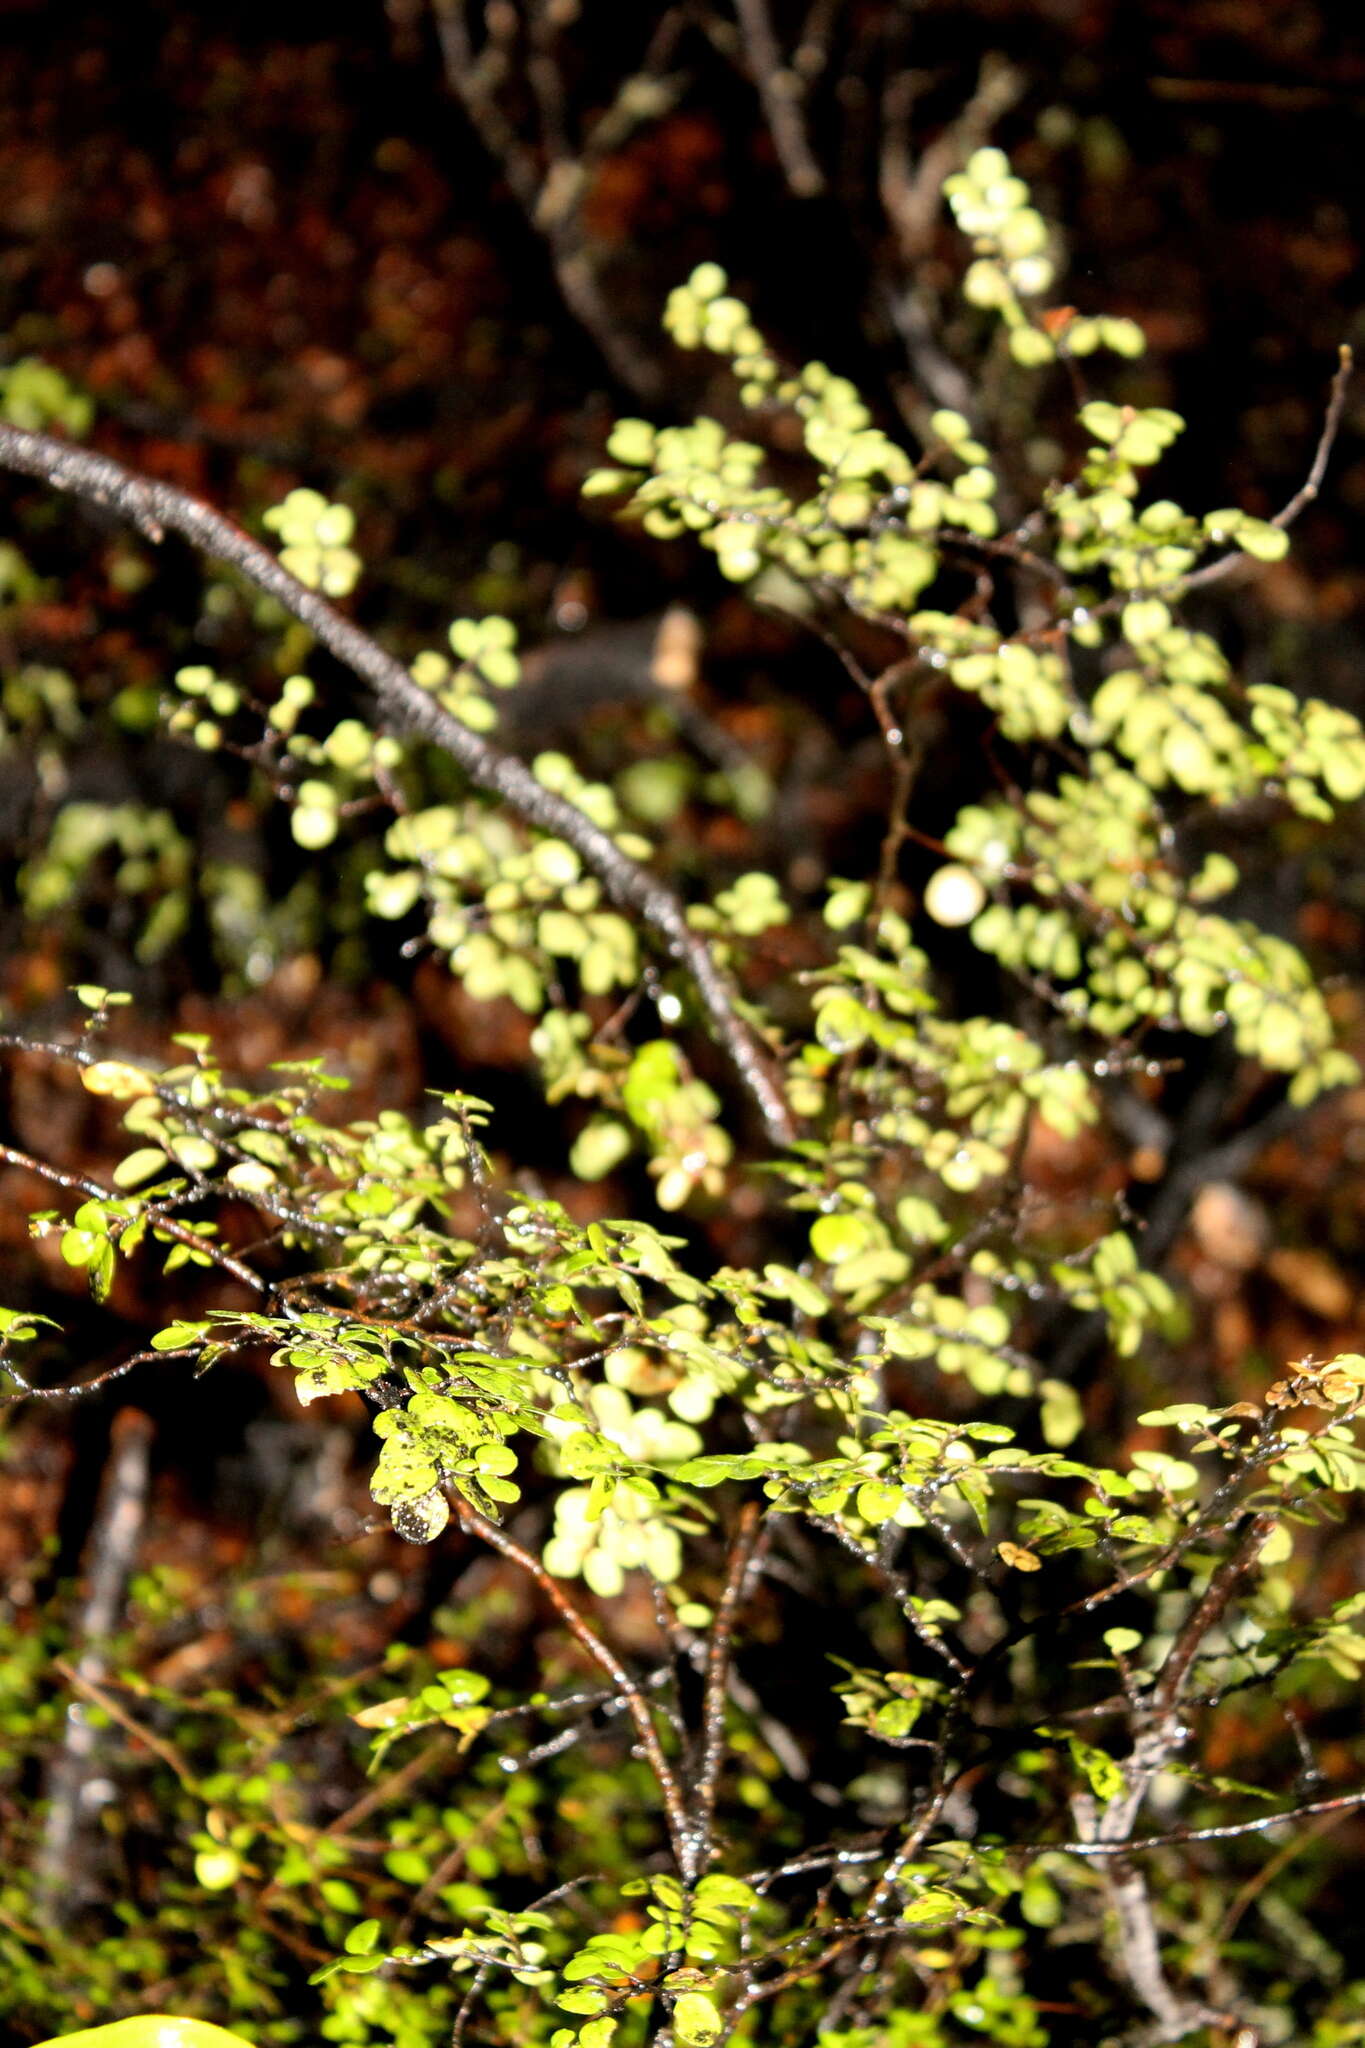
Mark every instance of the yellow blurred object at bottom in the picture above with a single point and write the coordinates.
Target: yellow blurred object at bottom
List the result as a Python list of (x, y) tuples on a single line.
[(153, 2030)]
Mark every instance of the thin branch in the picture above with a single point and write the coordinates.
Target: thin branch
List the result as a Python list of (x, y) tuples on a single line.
[(780, 93), (1312, 484), (898, 1585), (447, 1870), (154, 508), (1178, 1838), (912, 193), (111, 1552), (1162, 1732), (74, 1392), (1206, 1614), (475, 82), (681, 1832), (471, 1998), (1307, 491), (1269, 1871), (104, 1699), (911, 196), (390, 1787), (744, 1553), (550, 190), (82, 1184), (813, 1966)]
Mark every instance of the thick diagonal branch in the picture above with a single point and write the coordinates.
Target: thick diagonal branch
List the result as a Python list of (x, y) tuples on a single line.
[(156, 508)]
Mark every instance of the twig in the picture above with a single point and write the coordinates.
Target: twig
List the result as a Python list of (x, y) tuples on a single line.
[(1161, 1734), (1307, 491), (26, 1391), (681, 1833), (743, 1556), (898, 1585), (109, 1704), (906, 756), (1269, 1871), (468, 2003), (448, 1867), (819, 1859), (485, 1970), (813, 1966), (154, 508), (550, 192), (1206, 1613), (912, 196), (389, 1788), (1178, 1838), (82, 1184)]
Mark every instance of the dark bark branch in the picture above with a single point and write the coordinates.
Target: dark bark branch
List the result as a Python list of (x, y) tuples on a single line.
[(743, 1554), (550, 192), (779, 90), (82, 1184), (79, 1388), (156, 508), (681, 1831), (1308, 489)]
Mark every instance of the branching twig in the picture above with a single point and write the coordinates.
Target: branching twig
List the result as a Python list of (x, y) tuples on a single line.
[(681, 1832), (743, 1555), (1206, 1614), (1161, 1734), (779, 90), (1308, 489), (912, 193), (154, 508), (911, 196), (1180, 1838), (82, 1184), (898, 1586), (550, 188)]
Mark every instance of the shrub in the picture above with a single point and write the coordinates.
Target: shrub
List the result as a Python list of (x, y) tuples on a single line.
[(925, 1745)]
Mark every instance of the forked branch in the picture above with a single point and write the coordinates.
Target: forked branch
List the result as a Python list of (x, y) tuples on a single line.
[(1308, 489), (682, 1833)]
